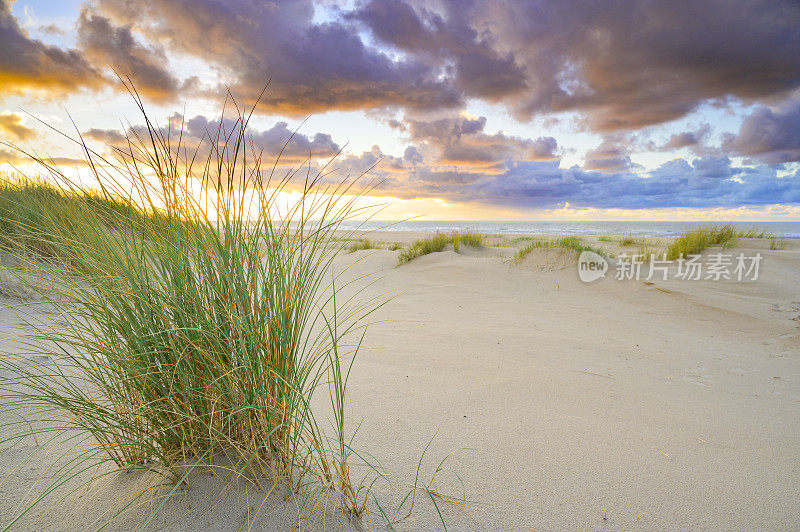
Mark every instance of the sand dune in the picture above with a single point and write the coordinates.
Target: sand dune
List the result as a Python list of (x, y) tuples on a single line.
[(612, 405)]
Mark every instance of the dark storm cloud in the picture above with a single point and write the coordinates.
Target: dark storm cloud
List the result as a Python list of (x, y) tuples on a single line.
[(769, 136), (27, 63)]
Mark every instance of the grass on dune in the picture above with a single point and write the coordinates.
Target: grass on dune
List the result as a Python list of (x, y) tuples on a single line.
[(777, 244), (694, 241), (625, 241), (34, 212), (361, 243), (573, 243), (365, 243), (438, 242), (187, 325)]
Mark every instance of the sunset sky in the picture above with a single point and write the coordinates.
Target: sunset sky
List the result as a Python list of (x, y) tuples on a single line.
[(503, 109)]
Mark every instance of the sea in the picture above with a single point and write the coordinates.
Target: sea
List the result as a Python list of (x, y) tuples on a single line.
[(634, 228)]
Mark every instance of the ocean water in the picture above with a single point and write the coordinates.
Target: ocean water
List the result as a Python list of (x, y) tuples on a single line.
[(781, 229)]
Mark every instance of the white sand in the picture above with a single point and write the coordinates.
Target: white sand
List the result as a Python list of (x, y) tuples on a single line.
[(659, 406)]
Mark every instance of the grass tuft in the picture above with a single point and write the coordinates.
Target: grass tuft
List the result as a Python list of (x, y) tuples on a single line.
[(573, 243), (194, 315), (362, 243), (438, 242), (777, 243), (694, 241)]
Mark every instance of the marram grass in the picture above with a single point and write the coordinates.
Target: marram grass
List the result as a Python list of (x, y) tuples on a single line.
[(573, 243), (187, 325), (694, 241), (438, 241)]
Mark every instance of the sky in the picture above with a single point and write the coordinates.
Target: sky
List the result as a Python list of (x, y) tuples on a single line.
[(461, 109)]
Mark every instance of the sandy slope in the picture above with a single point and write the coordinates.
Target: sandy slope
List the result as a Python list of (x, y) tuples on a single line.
[(667, 405)]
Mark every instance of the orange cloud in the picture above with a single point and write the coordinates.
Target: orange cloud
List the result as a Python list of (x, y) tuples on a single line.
[(29, 64), (11, 126)]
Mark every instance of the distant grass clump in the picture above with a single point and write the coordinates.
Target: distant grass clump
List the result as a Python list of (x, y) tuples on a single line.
[(201, 323), (777, 244), (394, 246), (630, 241), (438, 242), (625, 241), (573, 243), (362, 243), (694, 241)]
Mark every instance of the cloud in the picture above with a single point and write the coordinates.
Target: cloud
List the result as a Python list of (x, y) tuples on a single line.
[(14, 157), (106, 136), (446, 38), (622, 65), (314, 67), (769, 136), (27, 63), (198, 132), (694, 140), (115, 46), (11, 126), (611, 155), (630, 64), (707, 182), (461, 142)]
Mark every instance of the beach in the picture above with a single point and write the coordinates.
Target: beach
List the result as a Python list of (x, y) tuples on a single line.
[(618, 404)]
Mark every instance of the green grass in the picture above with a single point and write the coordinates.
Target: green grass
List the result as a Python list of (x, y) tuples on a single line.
[(438, 242), (631, 241), (573, 243), (694, 241), (394, 246), (625, 241), (777, 243), (34, 212), (190, 325), (361, 243)]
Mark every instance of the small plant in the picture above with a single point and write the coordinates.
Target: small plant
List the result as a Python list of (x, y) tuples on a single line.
[(438, 242), (394, 246), (573, 243), (362, 243), (777, 243), (696, 240), (625, 241), (753, 233), (630, 241)]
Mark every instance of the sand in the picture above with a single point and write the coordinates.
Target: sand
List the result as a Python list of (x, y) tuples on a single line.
[(611, 405)]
